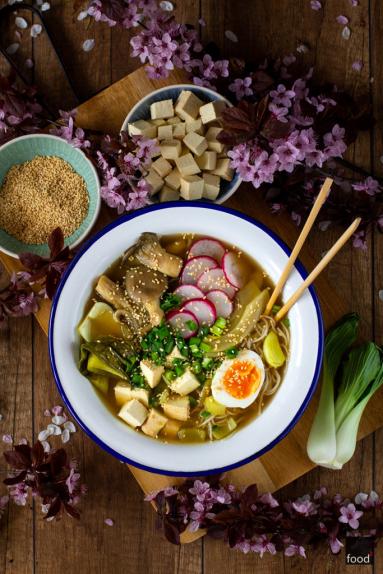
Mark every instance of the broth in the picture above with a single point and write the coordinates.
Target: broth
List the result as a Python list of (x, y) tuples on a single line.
[(201, 422)]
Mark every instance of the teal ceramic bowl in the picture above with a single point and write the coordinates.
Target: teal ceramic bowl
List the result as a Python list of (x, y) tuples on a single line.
[(25, 148)]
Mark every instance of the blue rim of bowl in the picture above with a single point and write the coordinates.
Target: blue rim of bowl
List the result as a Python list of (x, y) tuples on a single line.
[(110, 450)]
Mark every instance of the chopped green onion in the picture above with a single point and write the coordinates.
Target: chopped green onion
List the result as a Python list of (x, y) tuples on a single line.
[(275, 309), (169, 347), (216, 330), (204, 331), (286, 322), (207, 362), (191, 324), (169, 375), (205, 414), (197, 367), (205, 347), (170, 301), (195, 341), (220, 322), (179, 370), (233, 352), (192, 401)]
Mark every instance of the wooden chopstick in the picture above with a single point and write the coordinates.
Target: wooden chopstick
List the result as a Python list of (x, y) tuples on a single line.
[(318, 269), (322, 196)]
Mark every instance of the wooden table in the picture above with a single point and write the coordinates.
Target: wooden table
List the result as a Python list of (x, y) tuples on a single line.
[(134, 545)]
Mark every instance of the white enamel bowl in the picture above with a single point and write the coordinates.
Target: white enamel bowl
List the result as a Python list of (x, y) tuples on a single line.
[(116, 437)]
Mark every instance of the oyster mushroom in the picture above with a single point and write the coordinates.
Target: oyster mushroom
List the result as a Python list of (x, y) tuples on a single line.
[(146, 286), (127, 311), (149, 252)]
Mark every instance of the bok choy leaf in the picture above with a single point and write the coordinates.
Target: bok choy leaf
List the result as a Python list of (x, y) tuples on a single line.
[(344, 396)]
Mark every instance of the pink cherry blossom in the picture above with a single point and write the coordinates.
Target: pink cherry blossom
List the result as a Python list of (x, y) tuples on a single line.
[(342, 19), (349, 515), (262, 545), (241, 87), (295, 549), (369, 185), (315, 4), (282, 96)]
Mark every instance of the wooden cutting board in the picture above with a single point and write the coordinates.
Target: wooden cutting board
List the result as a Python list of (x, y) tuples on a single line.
[(288, 460)]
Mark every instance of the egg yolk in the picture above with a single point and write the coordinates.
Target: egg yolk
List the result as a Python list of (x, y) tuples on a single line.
[(241, 379)]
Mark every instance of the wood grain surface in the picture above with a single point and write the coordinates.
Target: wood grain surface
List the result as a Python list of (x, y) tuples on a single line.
[(27, 544)]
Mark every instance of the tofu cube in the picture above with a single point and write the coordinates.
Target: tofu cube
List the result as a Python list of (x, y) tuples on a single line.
[(185, 384), (173, 180), (192, 187), (162, 167), (179, 131), (158, 122), (211, 111), (175, 354), (165, 133), (134, 413), (142, 128), (223, 169), (188, 105), (124, 392), (170, 149), (211, 186), (155, 181), (195, 126), (171, 429), (169, 194), (173, 121), (187, 165), (196, 143), (212, 142), (154, 423), (162, 109), (207, 161), (178, 408), (151, 372)]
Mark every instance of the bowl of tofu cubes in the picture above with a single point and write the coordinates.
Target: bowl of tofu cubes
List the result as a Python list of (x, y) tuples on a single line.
[(191, 164)]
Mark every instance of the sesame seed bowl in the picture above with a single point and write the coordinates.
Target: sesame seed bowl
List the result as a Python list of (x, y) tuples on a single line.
[(29, 210), (142, 111)]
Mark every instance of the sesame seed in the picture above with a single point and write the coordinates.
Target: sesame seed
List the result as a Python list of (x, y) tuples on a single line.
[(39, 195)]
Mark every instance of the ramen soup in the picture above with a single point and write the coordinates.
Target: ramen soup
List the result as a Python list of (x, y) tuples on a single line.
[(175, 341)]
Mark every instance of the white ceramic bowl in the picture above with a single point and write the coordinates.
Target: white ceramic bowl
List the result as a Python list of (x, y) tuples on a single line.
[(115, 436), (141, 111)]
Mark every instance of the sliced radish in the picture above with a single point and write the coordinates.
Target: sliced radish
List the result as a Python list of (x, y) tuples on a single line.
[(223, 305), (206, 246), (234, 270), (215, 279), (179, 321), (203, 310), (194, 267), (187, 292)]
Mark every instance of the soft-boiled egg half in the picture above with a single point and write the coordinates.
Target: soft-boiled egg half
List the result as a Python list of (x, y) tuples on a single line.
[(237, 382)]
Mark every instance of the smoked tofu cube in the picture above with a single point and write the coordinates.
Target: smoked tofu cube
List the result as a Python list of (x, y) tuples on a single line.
[(207, 161), (171, 429), (185, 384), (175, 354), (187, 165), (158, 122), (179, 131), (154, 423), (178, 408), (211, 186), (142, 128), (134, 413), (192, 187), (211, 111), (223, 169), (169, 194), (188, 106), (173, 180), (170, 149), (124, 392), (162, 109), (173, 121), (212, 142), (151, 372), (155, 181), (165, 133), (195, 126), (162, 167), (196, 143)]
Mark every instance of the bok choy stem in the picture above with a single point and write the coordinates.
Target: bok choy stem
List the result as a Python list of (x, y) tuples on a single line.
[(321, 445)]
